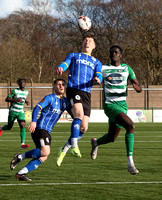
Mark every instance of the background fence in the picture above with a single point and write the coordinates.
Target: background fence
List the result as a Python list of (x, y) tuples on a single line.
[(150, 98)]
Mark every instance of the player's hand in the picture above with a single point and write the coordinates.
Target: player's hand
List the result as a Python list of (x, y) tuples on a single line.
[(32, 127), (59, 70), (18, 100), (27, 103), (96, 80), (137, 87)]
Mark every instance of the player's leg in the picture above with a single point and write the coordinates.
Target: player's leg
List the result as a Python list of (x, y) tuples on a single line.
[(42, 140), (62, 151), (23, 134), (113, 132), (123, 120), (9, 125), (78, 114)]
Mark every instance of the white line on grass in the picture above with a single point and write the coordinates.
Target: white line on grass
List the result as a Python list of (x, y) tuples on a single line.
[(55, 141), (96, 183)]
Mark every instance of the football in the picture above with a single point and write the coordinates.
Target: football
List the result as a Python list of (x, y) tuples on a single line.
[(84, 23)]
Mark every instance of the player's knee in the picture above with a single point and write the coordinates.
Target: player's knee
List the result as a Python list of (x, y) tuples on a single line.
[(84, 129), (131, 127)]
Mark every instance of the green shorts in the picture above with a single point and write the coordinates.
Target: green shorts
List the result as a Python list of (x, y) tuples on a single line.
[(114, 109), (16, 115)]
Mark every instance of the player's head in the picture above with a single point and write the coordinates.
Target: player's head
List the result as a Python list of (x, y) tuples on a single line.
[(59, 86), (89, 43), (21, 82), (115, 53)]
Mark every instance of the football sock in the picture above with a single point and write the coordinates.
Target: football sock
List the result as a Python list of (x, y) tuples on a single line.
[(32, 165), (74, 142), (80, 135), (129, 141), (67, 145), (34, 153), (75, 130), (130, 161), (22, 135)]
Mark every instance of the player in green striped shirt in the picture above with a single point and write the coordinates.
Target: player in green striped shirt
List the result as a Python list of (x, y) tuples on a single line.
[(17, 97), (115, 79)]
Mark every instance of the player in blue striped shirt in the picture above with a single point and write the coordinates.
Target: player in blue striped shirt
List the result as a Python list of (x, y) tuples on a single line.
[(84, 72), (51, 107)]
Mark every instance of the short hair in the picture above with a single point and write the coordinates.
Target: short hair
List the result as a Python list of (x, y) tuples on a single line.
[(59, 79), (90, 35), (116, 46), (20, 79)]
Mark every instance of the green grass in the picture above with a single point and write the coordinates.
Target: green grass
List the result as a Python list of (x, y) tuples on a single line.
[(82, 178)]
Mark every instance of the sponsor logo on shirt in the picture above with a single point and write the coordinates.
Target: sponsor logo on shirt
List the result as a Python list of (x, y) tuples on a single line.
[(82, 61), (115, 78)]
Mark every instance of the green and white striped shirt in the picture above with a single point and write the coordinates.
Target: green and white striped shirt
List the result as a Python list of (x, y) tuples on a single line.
[(18, 94), (115, 81)]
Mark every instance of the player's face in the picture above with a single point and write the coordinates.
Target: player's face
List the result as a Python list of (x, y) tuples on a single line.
[(59, 88), (22, 84), (88, 45), (115, 55)]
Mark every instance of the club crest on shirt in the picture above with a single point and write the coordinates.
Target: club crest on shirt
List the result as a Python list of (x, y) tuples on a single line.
[(77, 97), (42, 100)]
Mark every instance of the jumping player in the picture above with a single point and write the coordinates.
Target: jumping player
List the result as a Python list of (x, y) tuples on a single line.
[(17, 97), (115, 78), (84, 71), (51, 106)]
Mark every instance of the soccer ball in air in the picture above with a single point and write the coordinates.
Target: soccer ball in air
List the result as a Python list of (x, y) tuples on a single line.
[(84, 23)]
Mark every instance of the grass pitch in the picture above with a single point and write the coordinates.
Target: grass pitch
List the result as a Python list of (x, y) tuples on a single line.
[(83, 178)]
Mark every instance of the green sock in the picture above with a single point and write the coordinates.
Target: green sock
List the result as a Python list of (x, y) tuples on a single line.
[(22, 135), (103, 139), (4, 127), (129, 141)]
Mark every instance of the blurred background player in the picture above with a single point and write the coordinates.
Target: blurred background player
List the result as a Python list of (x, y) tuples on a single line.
[(51, 106), (115, 79), (84, 71), (17, 97)]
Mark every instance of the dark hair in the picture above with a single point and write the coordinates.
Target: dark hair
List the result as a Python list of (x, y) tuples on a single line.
[(59, 79), (116, 46), (90, 35), (20, 79)]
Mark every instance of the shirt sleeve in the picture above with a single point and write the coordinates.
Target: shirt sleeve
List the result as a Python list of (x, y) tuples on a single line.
[(131, 74), (98, 72), (12, 94)]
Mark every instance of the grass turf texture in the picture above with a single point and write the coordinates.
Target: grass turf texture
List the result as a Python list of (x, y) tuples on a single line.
[(83, 178)]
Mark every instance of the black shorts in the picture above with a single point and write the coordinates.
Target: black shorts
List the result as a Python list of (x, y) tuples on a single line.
[(78, 96), (41, 138)]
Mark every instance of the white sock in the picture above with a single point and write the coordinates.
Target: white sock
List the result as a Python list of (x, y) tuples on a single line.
[(130, 161), (74, 142), (23, 171), (66, 147), (21, 156)]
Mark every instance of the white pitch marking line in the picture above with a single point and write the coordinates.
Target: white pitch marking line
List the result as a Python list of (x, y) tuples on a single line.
[(96, 183)]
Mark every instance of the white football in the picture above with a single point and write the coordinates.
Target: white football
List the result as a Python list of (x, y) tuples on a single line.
[(84, 23)]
